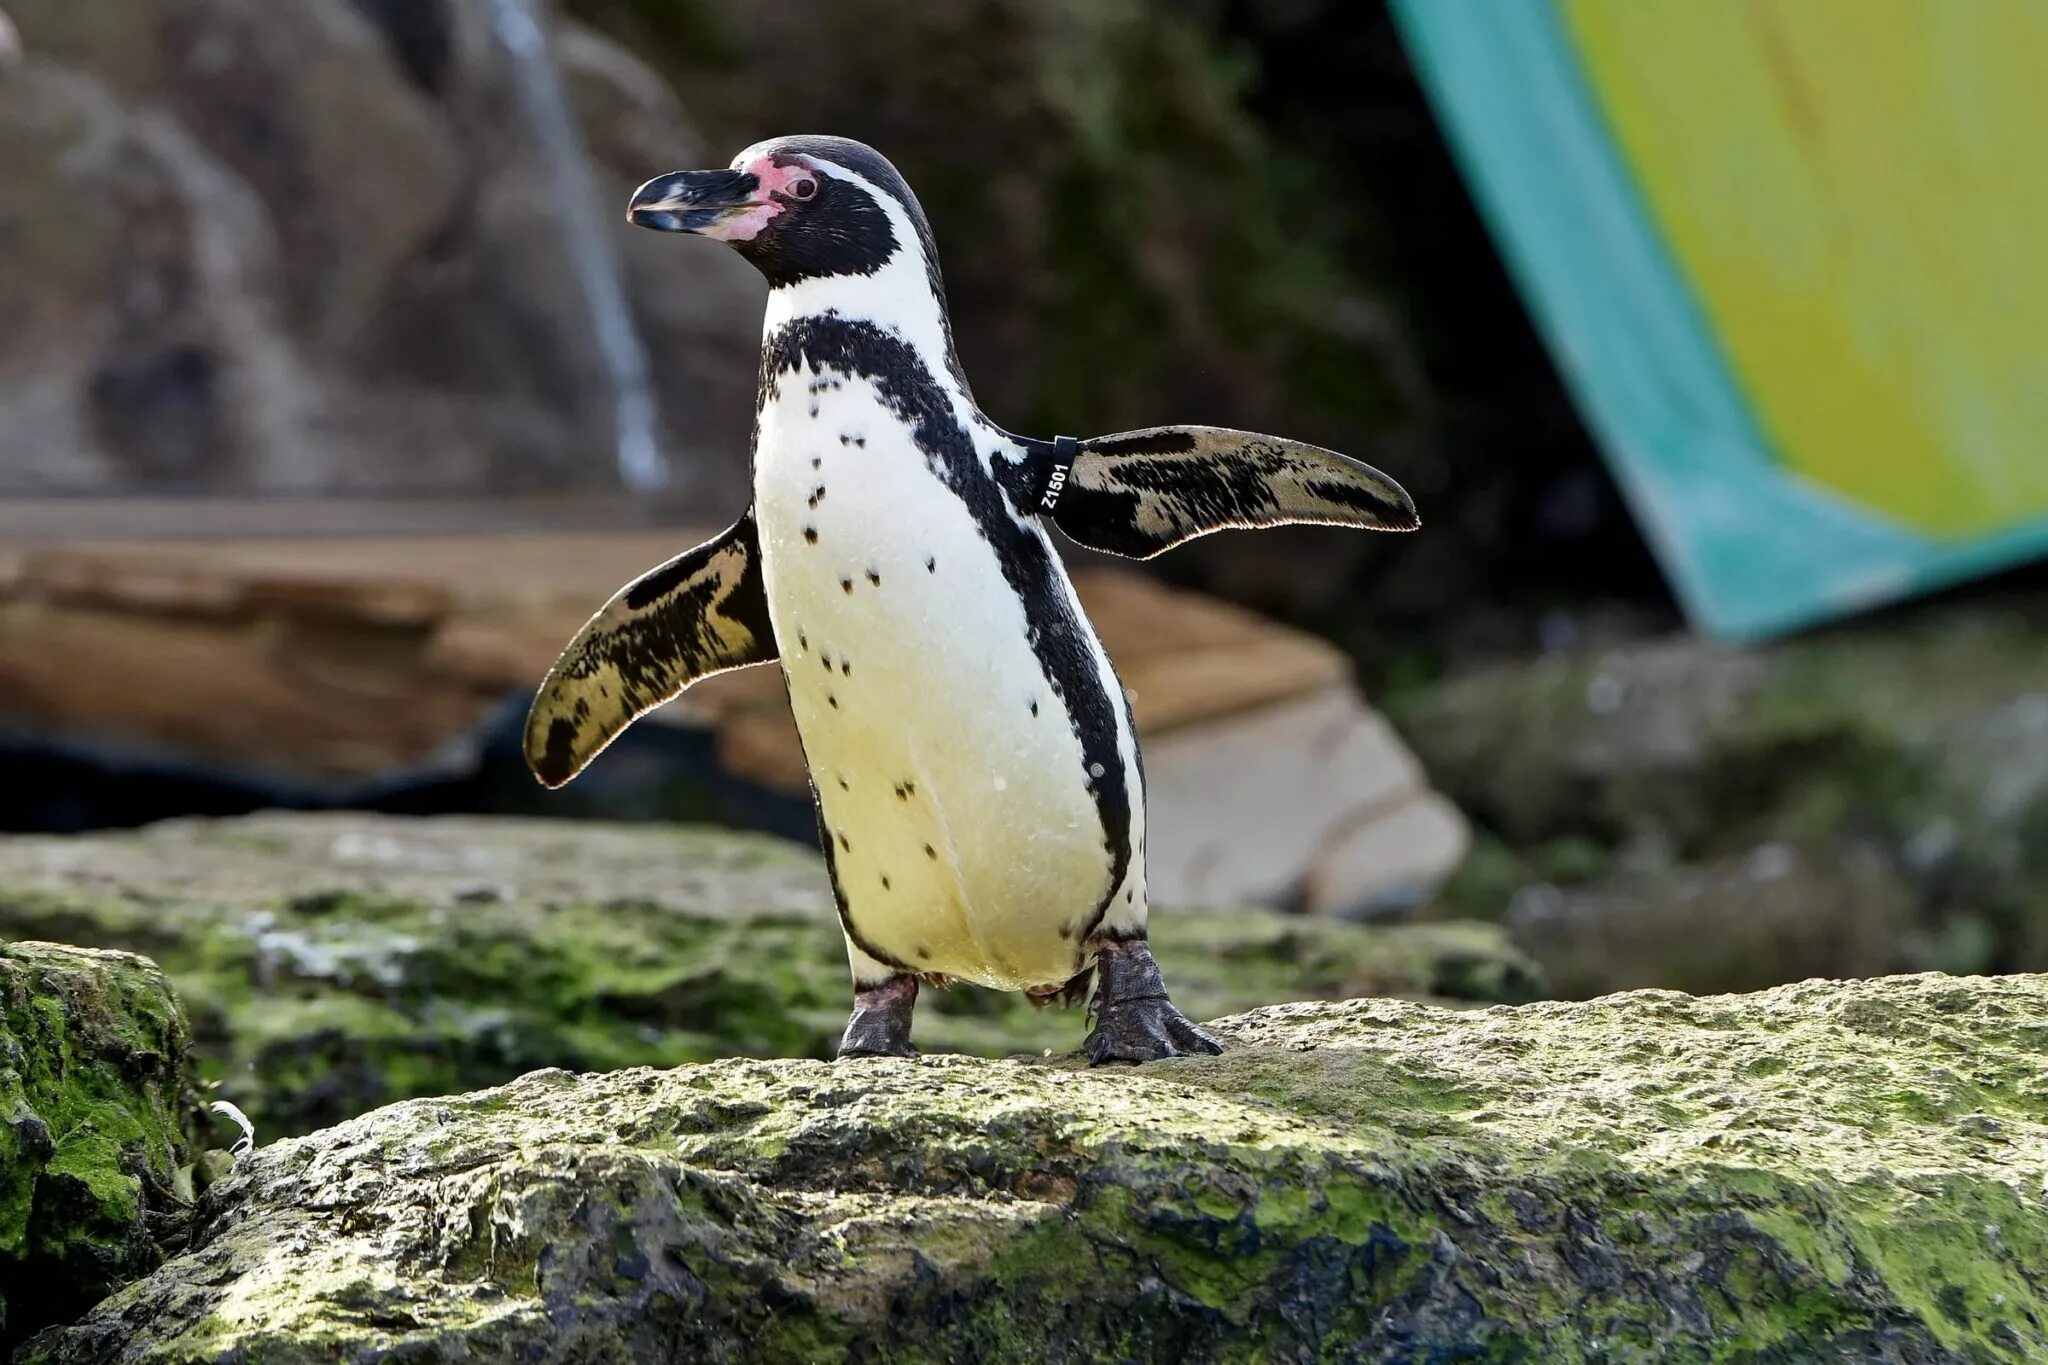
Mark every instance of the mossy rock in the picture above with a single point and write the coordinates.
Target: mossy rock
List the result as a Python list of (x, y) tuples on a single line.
[(1876, 726), (1775, 914), (1905, 757), (93, 1112), (1821, 1172), (332, 963)]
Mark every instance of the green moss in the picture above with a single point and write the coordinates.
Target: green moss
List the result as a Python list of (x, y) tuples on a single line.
[(1650, 1177), (93, 1112), (332, 964)]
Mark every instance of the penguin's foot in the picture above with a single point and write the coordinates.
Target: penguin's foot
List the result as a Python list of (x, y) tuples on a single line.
[(1134, 1021), (880, 1026)]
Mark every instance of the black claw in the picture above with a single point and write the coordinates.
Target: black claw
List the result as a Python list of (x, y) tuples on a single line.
[(1134, 1020), (1146, 1031), (880, 1026)]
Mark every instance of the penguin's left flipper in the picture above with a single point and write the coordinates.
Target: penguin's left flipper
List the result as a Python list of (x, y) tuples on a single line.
[(703, 612), (1140, 493)]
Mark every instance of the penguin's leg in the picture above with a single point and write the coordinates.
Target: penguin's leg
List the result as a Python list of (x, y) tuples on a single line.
[(883, 999), (1134, 1020)]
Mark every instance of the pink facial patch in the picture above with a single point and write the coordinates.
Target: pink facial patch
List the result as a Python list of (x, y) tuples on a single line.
[(775, 178)]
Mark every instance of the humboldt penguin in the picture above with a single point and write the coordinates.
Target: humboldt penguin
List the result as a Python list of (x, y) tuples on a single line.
[(972, 757)]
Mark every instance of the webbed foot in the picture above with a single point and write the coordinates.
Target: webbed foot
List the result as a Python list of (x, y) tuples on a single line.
[(880, 1026), (1134, 1020)]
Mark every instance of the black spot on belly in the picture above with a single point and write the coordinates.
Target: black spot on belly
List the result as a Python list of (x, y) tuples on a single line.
[(842, 785), (846, 668), (874, 578), (853, 933), (931, 853), (811, 534), (885, 881), (1059, 636), (845, 843), (1067, 929), (846, 586), (817, 461), (931, 564), (834, 700), (1034, 706), (802, 641), (910, 787), (924, 954), (825, 658)]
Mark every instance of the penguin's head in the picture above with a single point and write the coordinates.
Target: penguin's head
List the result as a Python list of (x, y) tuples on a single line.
[(799, 208)]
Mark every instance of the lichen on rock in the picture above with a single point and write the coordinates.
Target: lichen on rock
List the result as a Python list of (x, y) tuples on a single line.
[(93, 1113), (1825, 1171), (332, 963)]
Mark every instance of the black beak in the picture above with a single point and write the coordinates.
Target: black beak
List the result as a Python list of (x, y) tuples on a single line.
[(690, 201)]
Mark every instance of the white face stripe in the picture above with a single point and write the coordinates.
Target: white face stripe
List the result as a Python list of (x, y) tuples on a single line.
[(897, 297)]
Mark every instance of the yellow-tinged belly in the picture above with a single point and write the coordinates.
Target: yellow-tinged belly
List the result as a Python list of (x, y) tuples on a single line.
[(950, 780)]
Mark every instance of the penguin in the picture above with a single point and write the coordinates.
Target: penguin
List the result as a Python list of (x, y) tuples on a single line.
[(971, 752)]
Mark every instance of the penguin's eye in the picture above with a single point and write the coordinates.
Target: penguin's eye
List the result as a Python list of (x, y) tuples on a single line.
[(802, 189)]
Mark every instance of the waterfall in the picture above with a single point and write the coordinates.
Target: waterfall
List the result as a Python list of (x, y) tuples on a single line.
[(642, 467)]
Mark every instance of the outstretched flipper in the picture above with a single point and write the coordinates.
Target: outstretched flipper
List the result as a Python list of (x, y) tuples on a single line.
[(1140, 493), (703, 612)]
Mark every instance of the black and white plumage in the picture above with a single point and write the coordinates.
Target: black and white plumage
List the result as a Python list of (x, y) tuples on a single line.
[(981, 803)]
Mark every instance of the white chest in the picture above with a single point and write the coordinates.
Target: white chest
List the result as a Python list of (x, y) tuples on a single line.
[(948, 772)]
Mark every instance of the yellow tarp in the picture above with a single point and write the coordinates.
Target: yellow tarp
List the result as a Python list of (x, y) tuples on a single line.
[(1853, 190)]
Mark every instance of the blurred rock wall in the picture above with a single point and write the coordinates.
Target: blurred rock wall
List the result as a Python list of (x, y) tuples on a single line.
[(314, 245), (304, 245)]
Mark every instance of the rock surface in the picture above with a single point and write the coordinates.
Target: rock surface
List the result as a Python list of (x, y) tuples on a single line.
[(306, 245), (332, 963), (93, 1114), (313, 245), (333, 666), (1821, 1172), (1870, 799)]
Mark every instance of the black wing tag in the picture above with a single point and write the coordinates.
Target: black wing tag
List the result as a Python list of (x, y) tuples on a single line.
[(703, 612), (1140, 493), (1036, 476), (1065, 450)]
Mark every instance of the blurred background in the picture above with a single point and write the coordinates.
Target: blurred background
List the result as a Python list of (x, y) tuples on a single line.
[(1712, 342)]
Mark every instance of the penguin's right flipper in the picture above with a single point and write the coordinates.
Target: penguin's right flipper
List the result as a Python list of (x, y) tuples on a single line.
[(703, 612), (1140, 493)]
